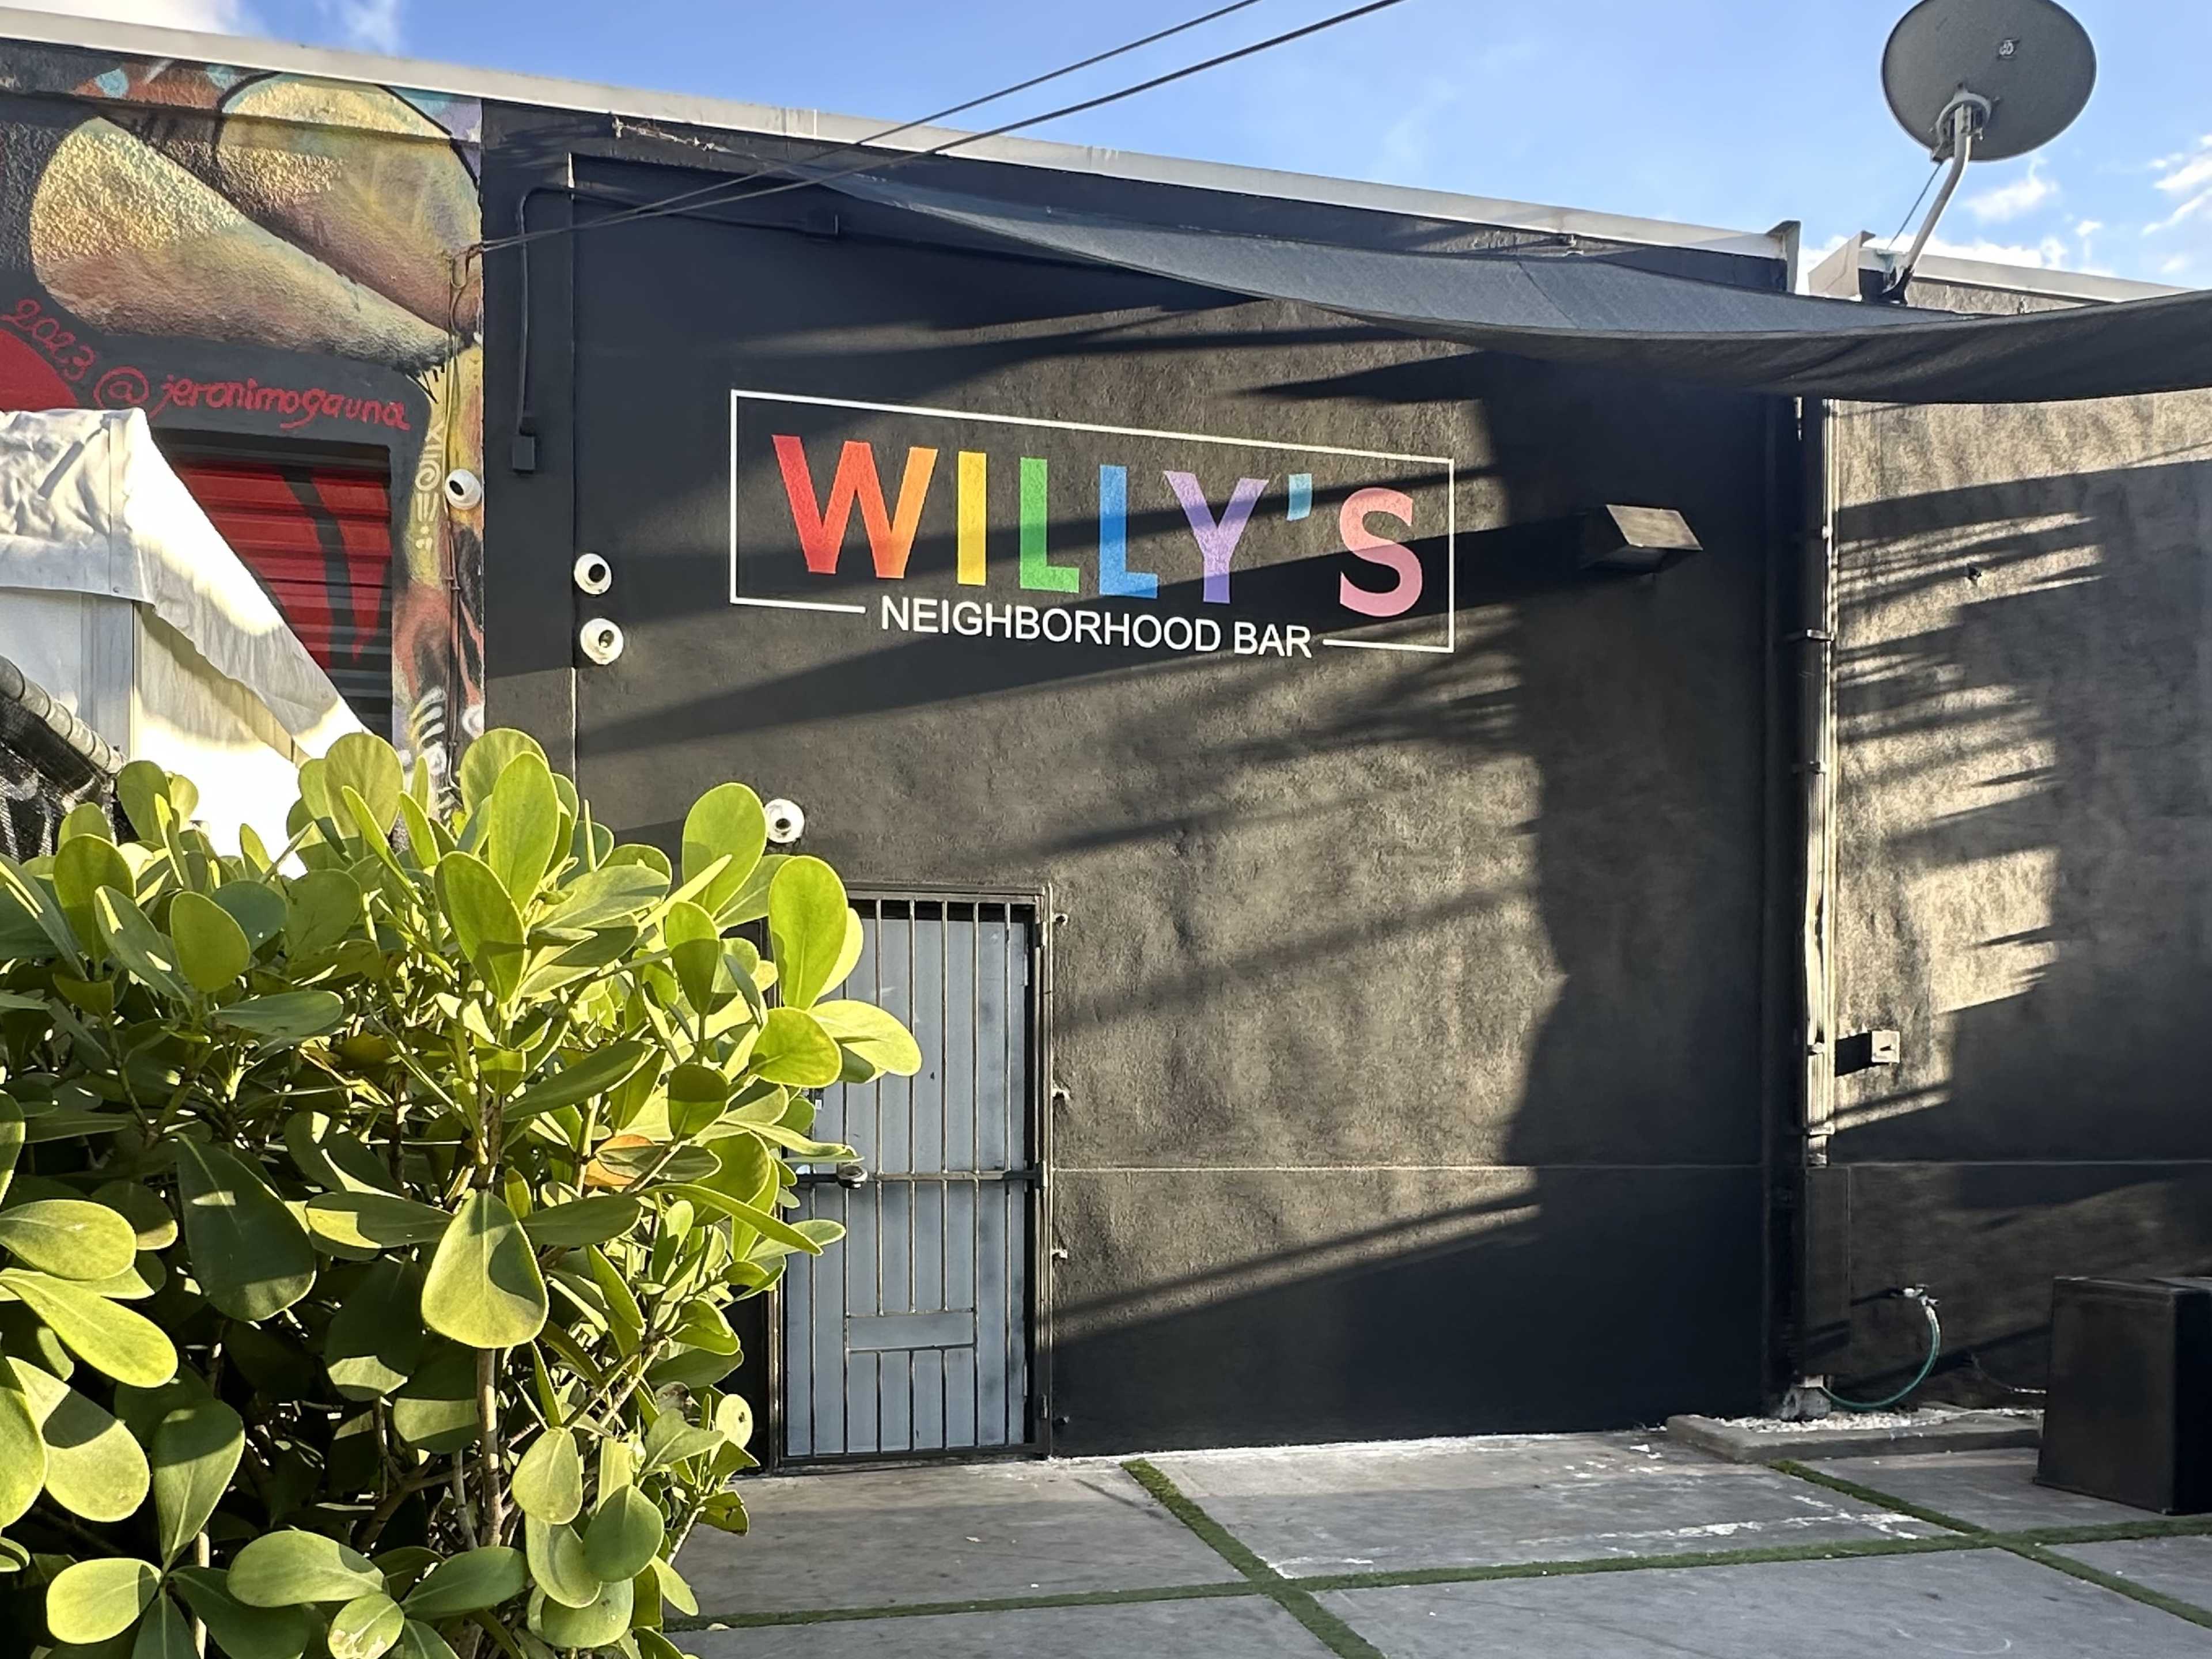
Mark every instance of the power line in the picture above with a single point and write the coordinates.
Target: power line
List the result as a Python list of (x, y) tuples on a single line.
[(707, 195), (671, 203)]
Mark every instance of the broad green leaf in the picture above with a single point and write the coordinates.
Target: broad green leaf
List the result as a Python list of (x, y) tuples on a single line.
[(366, 763), (22, 1454), (671, 1439), (521, 824), (152, 1226), (593, 1626), (624, 1159), (701, 1326), (624, 1317), (365, 1627), (126, 1346), (727, 822), (806, 928), (652, 1644), (293, 1568), (143, 789), (69, 1237), (794, 1048), (143, 1409), (674, 1589), (583, 1221), (251, 1258), (549, 1482), (483, 1289), (770, 1226), (332, 1157), (487, 757), (617, 1465), (87, 818), (321, 908), (578, 1081), (750, 901), (33, 906), (375, 1338), (694, 952), (484, 919), (211, 947), (474, 1579), (557, 1564), (95, 1600), (11, 1141), (874, 1035), (256, 907), (164, 1632), (194, 1453), (374, 1220), (93, 1468), (436, 1411), (135, 942), (423, 840), (614, 892), (80, 868), (697, 1095), (240, 1631), (418, 1641), (284, 1018)]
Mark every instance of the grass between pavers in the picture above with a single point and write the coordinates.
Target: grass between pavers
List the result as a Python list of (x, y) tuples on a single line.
[(1295, 1595), (2034, 1544), (1331, 1631)]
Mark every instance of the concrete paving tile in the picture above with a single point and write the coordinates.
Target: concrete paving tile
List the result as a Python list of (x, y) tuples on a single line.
[(943, 1532), (1979, 1601), (1248, 1627), (1393, 1507), (1993, 1489), (2179, 1567)]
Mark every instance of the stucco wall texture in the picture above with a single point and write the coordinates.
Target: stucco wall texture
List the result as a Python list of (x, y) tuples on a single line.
[(2024, 857)]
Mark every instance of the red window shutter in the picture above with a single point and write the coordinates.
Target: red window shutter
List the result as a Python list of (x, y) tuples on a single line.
[(319, 535)]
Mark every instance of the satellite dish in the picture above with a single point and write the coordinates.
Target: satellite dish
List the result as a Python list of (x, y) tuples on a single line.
[(1983, 81), (2027, 63)]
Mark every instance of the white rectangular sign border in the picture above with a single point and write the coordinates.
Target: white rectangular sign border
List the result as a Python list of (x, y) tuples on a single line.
[(1451, 493)]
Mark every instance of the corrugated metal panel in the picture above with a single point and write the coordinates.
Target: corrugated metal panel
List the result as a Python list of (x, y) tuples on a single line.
[(319, 535)]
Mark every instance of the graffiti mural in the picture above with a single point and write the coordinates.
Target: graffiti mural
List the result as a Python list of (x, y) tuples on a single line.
[(284, 265)]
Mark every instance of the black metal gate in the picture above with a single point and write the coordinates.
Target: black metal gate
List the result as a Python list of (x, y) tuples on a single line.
[(918, 1333)]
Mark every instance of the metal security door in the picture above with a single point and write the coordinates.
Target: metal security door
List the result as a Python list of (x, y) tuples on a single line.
[(915, 1335)]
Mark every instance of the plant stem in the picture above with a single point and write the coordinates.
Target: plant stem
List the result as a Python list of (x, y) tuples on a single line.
[(494, 1501)]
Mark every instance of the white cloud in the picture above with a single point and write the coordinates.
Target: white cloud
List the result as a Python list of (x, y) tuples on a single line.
[(2186, 180), (366, 25), (2049, 254), (2022, 195), (2175, 265), (211, 17)]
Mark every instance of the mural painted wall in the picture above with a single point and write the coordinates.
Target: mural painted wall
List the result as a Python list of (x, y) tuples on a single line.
[(284, 265)]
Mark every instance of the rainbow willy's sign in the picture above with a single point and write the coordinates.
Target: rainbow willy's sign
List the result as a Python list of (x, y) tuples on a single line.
[(1062, 533)]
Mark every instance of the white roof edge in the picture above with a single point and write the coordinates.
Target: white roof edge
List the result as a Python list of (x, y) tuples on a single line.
[(145, 40), (1993, 274)]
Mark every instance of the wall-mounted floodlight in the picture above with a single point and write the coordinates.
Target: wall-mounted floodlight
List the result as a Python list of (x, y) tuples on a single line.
[(1635, 541)]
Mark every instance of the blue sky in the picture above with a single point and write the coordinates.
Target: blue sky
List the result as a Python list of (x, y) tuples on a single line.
[(1735, 112)]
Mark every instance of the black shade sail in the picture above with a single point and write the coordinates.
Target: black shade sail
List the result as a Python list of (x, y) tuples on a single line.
[(1582, 308)]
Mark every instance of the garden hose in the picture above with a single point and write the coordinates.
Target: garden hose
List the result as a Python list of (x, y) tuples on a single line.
[(1911, 1293)]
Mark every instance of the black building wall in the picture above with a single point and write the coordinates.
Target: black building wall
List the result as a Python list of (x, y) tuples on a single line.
[(2025, 861), (1409, 1006)]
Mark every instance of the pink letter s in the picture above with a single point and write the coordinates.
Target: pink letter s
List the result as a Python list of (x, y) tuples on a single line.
[(1359, 540)]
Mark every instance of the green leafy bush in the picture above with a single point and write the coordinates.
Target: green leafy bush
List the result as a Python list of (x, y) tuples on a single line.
[(369, 1212)]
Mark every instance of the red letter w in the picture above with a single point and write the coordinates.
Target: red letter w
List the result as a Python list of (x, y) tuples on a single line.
[(822, 533)]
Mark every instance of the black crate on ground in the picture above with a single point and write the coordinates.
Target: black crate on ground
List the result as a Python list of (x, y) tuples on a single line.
[(2129, 1416)]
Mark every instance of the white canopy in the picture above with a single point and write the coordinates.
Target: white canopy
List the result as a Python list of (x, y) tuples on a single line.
[(121, 597)]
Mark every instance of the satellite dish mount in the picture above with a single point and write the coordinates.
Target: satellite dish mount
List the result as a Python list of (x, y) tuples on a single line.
[(1982, 80)]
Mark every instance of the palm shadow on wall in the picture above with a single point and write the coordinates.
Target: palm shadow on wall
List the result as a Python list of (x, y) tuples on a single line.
[(2027, 864)]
